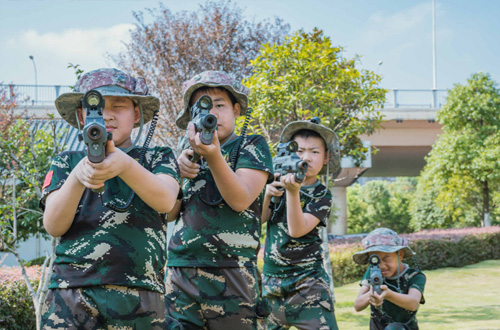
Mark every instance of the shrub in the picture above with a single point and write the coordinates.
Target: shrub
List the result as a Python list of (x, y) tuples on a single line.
[(434, 248), (35, 262), (16, 306)]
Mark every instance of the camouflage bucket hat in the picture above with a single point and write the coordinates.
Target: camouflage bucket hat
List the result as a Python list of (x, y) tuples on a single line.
[(382, 240), (109, 82), (331, 140), (211, 79)]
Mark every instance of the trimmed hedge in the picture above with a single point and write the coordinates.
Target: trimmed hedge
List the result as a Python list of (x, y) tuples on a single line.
[(434, 248)]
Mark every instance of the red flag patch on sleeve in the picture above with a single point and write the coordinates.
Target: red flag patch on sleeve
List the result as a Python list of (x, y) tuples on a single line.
[(48, 179)]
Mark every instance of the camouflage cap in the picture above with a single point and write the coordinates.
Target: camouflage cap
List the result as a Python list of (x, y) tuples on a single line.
[(382, 240), (211, 79), (109, 82), (331, 140)]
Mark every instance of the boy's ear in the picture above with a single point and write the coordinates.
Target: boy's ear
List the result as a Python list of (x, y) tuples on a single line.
[(137, 114), (79, 112), (401, 254), (236, 110), (327, 157)]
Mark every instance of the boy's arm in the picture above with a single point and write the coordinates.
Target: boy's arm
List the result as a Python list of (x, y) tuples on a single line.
[(363, 299), (159, 191), (61, 205), (299, 223), (240, 188), (408, 301), (271, 190)]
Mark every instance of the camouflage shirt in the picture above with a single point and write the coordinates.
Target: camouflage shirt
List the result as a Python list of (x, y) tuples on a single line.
[(102, 246), (285, 255), (215, 235), (409, 278)]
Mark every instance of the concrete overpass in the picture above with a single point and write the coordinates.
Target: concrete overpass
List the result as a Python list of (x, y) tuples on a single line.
[(406, 136)]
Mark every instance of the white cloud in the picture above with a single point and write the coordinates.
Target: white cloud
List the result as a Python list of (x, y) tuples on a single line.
[(54, 50)]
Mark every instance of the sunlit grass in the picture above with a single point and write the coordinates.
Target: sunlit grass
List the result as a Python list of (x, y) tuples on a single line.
[(456, 299)]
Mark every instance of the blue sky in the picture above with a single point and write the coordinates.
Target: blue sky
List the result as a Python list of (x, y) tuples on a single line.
[(397, 33)]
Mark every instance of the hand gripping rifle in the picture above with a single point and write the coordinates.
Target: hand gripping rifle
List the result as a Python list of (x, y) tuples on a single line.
[(287, 161), (94, 133), (203, 121), (376, 278)]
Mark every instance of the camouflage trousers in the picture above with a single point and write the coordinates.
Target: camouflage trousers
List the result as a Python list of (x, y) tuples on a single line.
[(105, 307), (214, 298), (303, 301)]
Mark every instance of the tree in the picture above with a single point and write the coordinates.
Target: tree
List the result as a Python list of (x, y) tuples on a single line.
[(307, 76), (380, 204), (464, 160), (25, 156), (173, 47)]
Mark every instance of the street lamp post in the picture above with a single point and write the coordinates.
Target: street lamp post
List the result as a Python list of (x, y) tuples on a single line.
[(36, 80)]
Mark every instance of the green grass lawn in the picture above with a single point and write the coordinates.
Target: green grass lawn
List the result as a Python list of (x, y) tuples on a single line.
[(456, 299)]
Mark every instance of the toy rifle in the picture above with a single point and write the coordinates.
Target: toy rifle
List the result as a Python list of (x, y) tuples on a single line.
[(94, 133), (376, 278), (203, 121), (287, 161)]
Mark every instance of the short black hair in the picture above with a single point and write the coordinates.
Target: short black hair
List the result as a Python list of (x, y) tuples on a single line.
[(307, 133), (208, 89)]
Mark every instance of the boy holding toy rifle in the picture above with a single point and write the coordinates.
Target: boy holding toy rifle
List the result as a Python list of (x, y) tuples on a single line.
[(212, 278), (109, 267), (295, 281), (393, 290)]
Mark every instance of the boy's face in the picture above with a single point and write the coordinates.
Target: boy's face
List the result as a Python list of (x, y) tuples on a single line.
[(389, 263), (120, 114), (312, 150), (223, 109)]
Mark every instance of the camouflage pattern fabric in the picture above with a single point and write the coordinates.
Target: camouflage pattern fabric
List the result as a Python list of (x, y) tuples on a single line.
[(103, 246), (389, 313), (215, 235), (302, 301), (214, 298), (109, 82), (105, 307), (211, 79), (383, 240), (285, 255)]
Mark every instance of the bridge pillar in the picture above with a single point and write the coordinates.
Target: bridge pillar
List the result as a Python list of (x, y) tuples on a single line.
[(338, 216)]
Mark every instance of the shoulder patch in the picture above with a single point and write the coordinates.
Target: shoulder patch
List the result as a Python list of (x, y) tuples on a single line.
[(48, 179)]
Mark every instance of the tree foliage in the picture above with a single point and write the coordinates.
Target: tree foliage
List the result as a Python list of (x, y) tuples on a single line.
[(173, 47), (307, 76), (25, 156), (462, 169), (380, 204)]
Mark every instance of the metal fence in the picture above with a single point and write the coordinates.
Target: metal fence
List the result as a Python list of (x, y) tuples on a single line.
[(395, 98), (34, 94), (415, 98)]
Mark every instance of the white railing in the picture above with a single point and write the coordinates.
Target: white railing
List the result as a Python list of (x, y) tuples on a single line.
[(395, 98)]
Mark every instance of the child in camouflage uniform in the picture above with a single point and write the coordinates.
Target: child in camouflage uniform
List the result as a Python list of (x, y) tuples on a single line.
[(212, 279), (403, 287), (109, 267), (295, 281)]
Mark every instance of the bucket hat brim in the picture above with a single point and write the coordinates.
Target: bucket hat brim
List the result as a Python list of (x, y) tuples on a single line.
[(331, 139), (361, 257), (68, 103), (241, 96)]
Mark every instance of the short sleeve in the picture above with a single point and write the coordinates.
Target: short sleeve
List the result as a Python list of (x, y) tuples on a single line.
[(59, 171), (418, 282), (162, 160), (255, 154), (365, 280), (320, 208)]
